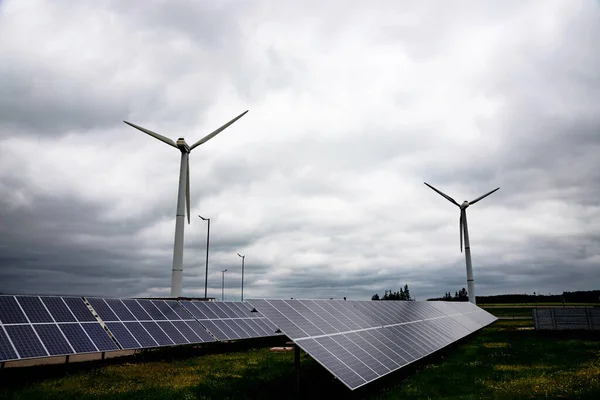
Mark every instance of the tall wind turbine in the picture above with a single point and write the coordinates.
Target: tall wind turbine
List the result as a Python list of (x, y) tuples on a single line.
[(462, 227), (183, 196)]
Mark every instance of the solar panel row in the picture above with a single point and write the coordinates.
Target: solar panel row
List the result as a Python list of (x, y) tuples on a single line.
[(43, 326), (360, 341), (229, 320), (143, 323)]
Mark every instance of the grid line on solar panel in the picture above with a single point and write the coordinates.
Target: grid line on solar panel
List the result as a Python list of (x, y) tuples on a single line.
[(379, 337)]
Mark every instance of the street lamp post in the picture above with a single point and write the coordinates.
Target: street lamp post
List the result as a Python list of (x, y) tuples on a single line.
[(223, 286), (243, 258), (207, 244)]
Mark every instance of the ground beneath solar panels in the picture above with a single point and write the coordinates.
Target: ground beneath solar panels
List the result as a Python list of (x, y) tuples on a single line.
[(501, 361)]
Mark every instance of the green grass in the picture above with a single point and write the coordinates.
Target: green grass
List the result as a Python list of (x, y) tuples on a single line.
[(502, 361)]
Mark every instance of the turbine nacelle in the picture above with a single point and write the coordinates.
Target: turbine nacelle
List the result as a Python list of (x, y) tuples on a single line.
[(464, 205), (182, 145)]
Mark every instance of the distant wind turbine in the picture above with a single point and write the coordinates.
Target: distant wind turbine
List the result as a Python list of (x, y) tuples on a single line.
[(462, 226), (183, 196)]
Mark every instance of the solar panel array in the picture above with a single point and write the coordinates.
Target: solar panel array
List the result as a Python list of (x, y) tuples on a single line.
[(143, 323), (230, 320), (567, 319), (44, 326), (361, 341)]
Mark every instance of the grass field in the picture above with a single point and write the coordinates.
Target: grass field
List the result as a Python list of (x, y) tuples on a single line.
[(502, 361)]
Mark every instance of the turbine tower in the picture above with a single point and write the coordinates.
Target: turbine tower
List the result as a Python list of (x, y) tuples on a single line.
[(462, 227), (183, 195)]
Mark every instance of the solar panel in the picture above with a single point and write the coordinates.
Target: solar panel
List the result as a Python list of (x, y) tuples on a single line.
[(361, 341), (584, 318), (229, 320), (33, 327), (145, 323)]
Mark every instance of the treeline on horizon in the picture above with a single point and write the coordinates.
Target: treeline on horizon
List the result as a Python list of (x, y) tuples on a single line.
[(582, 296)]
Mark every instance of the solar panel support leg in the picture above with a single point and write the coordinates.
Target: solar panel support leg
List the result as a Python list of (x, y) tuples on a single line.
[(589, 319), (2, 365), (67, 359), (297, 368), (103, 355)]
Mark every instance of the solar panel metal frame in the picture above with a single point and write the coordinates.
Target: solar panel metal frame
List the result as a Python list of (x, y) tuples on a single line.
[(42, 337), (421, 328)]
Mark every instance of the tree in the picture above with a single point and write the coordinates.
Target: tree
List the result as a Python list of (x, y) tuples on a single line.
[(406, 293), (375, 297)]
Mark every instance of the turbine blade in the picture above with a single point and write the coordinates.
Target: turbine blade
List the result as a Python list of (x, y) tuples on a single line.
[(187, 189), (444, 195), (481, 197), (153, 134), (460, 228), (215, 133)]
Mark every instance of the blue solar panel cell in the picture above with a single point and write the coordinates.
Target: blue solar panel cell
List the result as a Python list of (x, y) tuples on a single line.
[(260, 330), (10, 312), (102, 309), (300, 321), (99, 336), (319, 311), (151, 309), (77, 337), (157, 334), (192, 309), (166, 310), (353, 348), (316, 320), (242, 309), (225, 310), (172, 332), (79, 309), (393, 352), (246, 327), (120, 309), (214, 330), (204, 309), (200, 331), (58, 309), (223, 326), (213, 308), (137, 310), (53, 339), (347, 358), (179, 310), (378, 350), (26, 341), (140, 334), (123, 336), (187, 332), (332, 363), (237, 328), (7, 351), (233, 310), (34, 309)]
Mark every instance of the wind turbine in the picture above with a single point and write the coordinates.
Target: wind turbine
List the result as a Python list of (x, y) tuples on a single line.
[(183, 196), (462, 226)]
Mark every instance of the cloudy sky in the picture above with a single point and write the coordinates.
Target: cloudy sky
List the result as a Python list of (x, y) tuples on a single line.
[(352, 107)]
